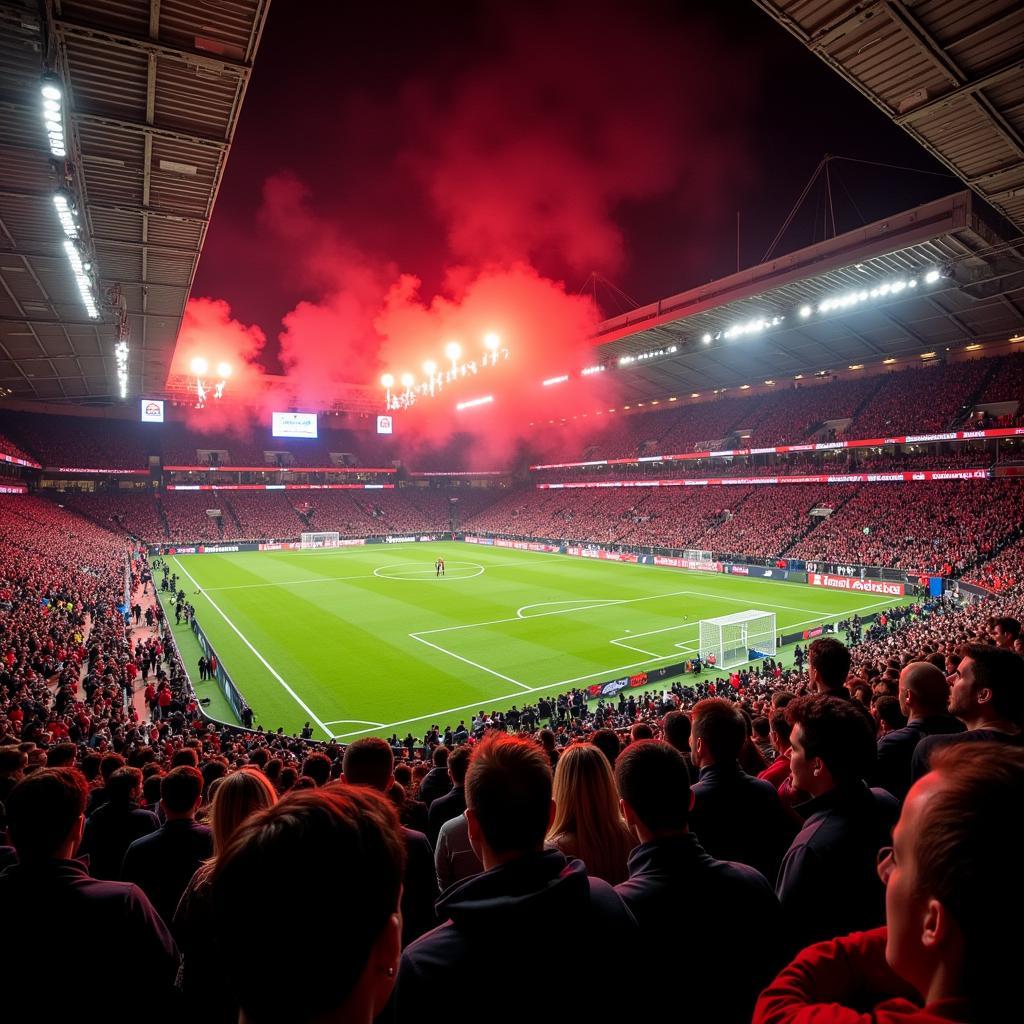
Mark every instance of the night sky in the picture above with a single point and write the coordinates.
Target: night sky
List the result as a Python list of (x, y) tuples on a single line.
[(389, 156)]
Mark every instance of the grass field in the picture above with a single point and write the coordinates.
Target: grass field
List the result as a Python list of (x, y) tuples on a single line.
[(367, 640)]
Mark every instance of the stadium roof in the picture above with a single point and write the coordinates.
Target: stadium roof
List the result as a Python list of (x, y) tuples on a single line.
[(950, 73), (979, 297), (152, 91)]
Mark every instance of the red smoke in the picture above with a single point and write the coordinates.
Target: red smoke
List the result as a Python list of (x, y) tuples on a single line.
[(527, 159)]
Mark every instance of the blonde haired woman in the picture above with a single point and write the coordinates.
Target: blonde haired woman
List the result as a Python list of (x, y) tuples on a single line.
[(234, 798), (587, 823)]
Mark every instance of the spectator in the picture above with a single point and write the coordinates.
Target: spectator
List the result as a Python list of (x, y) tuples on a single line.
[(49, 899), (200, 977), (370, 762), (675, 727), (735, 817), (778, 733), (987, 696), (453, 803), (587, 823), (1006, 632), (507, 915), (827, 884), (828, 665), (950, 889), (923, 697), (437, 782), (163, 863), (607, 741), (117, 823), (674, 884), (337, 848), (454, 857)]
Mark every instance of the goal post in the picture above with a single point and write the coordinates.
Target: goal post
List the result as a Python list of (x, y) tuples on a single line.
[(738, 638), (323, 539)]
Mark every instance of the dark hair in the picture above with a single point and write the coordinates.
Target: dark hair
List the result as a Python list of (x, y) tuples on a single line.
[(1009, 625), (652, 777), (676, 726), (781, 727), (969, 846), (124, 786), (607, 741), (1002, 672), (338, 848), (318, 767), (888, 711), (837, 731), (186, 756), (439, 756), (43, 810), (508, 789), (830, 658), (640, 731), (62, 755), (180, 788), (458, 764), (109, 764), (760, 727), (721, 727), (368, 762)]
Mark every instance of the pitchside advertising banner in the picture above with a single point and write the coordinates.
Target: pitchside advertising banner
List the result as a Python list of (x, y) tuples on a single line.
[(866, 586), (614, 686)]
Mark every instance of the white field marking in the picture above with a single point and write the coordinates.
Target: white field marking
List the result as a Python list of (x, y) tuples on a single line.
[(356, 721), (408, 574), (483, 668), (245, 640), (547, 604), (289, 583)]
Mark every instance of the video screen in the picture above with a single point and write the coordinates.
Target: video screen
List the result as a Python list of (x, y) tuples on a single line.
[(294, 424)]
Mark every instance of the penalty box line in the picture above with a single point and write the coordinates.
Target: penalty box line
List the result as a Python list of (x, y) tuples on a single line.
[(245, 640)]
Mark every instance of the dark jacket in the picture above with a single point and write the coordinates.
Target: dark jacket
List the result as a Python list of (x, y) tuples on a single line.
[(675, 888), (435, 783), (526, 916), (109, 833), (740, 818), (921, 764), (896, 751), (828, 884), (419, 886), (54, 905), (443, 809), (163, 863)]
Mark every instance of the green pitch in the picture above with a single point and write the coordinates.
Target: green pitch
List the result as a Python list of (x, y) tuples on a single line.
[(368, 641)]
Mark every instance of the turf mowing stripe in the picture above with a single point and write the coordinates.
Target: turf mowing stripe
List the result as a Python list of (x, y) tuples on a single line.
[(245, 640), (483, 668)]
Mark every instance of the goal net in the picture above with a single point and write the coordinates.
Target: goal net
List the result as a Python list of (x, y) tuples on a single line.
[(738, 638), (319, 540)]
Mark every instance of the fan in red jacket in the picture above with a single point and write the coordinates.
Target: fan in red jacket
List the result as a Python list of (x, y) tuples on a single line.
[(952, 888)]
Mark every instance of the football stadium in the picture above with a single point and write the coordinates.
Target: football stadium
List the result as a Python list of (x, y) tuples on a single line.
[(501, 487)]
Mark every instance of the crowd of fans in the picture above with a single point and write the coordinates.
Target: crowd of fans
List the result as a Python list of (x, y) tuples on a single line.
[(859, 808)]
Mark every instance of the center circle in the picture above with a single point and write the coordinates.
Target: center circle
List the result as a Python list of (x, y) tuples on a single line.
[(423, 571)]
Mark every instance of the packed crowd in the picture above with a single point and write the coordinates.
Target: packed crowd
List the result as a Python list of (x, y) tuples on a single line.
[(859, 808)]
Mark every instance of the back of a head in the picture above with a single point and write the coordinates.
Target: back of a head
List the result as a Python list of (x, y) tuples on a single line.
[(584, 793), (180, 789), (368, 762), (317, 766), (1002, 672), (969, 847), (63, 755), (607, 742), (508, 789), (458, 765), (640, 731), (676, 726), (652, 777), (43, 811), (338, 849), (837, 731), (187, 757), (721, 728), (237, 796), (830, 658), (929, 686), (109, 764), (124, 786), (440, 756)]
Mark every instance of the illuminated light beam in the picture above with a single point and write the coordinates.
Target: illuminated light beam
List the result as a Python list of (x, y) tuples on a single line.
[(555, 380), (473, 402)]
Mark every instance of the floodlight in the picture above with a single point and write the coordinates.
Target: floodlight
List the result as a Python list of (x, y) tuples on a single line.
[(492, 342), (430, 367), (453, 350), (200, 366), (387, 380), (407, 380), (224, 370)]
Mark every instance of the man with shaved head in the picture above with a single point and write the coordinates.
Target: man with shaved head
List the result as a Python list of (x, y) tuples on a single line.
[(924, 699)]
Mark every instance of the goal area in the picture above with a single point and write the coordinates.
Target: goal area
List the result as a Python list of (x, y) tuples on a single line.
[(738, 638), (319, 540)]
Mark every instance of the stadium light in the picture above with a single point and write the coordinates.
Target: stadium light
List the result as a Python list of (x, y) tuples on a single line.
[(53, 115), (121, 356), (407, 380), (63, 202), (224, 370), (430, 367), (82, 279), (555, 380), (453, 350), (492, 342), (473, 402), (200, 366)]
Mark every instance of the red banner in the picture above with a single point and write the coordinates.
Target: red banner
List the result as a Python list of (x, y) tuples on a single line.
[(280, 487), (14, 460), (821, 579), (813, 478), (277, 469)]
